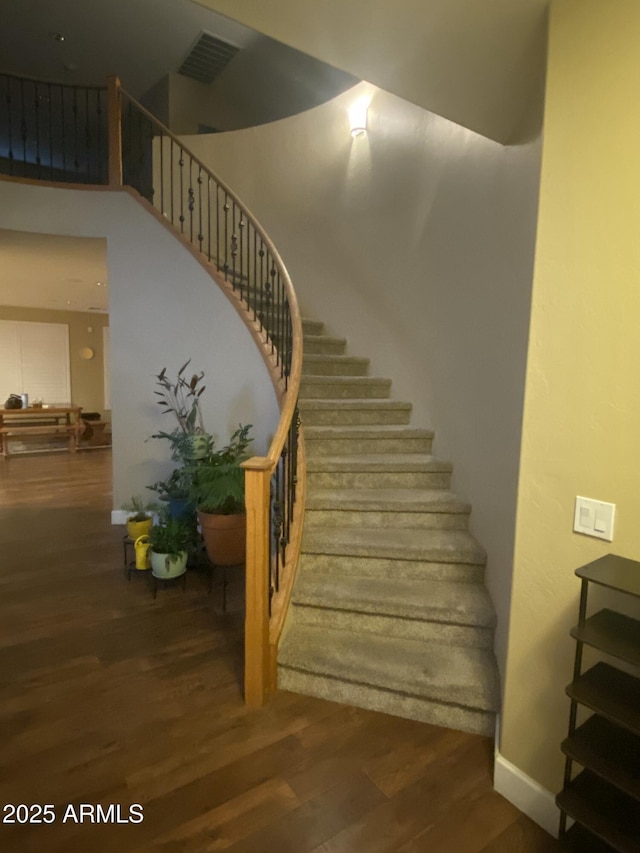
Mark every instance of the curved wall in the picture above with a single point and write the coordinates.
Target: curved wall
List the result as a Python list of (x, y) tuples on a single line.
[(416, 242), (164, 309)]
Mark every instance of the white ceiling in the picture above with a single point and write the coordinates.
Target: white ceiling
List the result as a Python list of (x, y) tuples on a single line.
[(477, 62), (141, 41), (50, 271)]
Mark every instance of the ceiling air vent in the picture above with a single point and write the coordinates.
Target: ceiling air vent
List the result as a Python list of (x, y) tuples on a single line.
[(208, 57)]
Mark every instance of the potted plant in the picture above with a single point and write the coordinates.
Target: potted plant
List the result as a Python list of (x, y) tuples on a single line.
[(182, 399), (170, 541), (175, 491), (140, 517), (217, 491)]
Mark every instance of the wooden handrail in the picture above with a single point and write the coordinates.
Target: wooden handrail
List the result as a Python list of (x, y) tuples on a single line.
[(275, 483), (262, 629)]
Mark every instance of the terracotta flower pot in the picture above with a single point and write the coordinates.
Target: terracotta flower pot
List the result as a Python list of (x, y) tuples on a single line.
[(224, 537)]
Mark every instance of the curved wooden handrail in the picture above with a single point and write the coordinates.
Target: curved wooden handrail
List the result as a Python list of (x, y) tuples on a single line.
[(278, 478), (265, 606)]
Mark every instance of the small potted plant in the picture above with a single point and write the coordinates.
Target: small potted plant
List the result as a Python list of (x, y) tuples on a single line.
[(170, 541), (217, 491), (175, 491), (182, 399), (140, 517)]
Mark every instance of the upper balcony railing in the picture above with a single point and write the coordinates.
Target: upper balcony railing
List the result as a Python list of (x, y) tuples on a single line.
[(73, 134), (53, 132)]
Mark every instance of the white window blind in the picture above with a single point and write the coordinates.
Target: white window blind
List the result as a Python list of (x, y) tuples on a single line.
[(34, 359)]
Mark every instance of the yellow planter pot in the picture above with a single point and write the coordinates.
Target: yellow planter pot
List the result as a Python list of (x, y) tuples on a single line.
[(135, 529)]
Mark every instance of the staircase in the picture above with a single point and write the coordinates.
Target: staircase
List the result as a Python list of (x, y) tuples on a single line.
[(389, 610)]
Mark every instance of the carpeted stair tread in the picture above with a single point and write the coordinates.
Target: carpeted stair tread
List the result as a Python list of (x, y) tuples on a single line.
[(442, 546), (387, 500), (454, 675), (425, 600), (316, 344), (413, 462), (321, 358), (312, 327), (345, 380), (321, 404), (366, 432), (346, 410)]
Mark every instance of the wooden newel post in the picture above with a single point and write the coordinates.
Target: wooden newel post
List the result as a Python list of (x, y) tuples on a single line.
[(256, 627), (114, 125)]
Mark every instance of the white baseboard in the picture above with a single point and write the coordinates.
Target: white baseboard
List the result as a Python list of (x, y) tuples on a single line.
[(526, 794), (119, 516)]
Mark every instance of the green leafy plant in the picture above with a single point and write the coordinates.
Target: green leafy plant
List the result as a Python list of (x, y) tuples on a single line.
[(171, 536), (217, 481), (139, 509), (182, 399), (177, 485)]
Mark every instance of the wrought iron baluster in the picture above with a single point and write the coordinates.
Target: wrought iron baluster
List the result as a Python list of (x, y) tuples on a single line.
[(234, 245), (23, 129), (241, 225), (200, 234), (74, 109), (9, 102), (225, 266), (209, 217), (276, 525), (36, 104), (181, 164), (190, 200), (217, 226)]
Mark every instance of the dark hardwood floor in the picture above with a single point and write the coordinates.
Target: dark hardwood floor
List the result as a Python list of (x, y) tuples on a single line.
[(110, 697)]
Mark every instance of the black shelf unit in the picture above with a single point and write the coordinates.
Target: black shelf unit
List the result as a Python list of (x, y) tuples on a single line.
[(604, 798)]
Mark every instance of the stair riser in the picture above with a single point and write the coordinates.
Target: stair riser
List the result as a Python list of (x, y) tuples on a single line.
[(391, 520), (345, 391), (365, 696), (335, 368), (312, 327), (384, 567), (409, 629), (356, 417), (324, 347), (350, 446), (378, 479)]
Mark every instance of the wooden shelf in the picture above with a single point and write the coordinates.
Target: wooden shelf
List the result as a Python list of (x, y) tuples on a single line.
[(614, 572), (611, 693), (608, 814), (612, 633), (604, 799), (608, 751)]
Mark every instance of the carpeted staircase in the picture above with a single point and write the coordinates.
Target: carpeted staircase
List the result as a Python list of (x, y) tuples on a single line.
[(389, 610)]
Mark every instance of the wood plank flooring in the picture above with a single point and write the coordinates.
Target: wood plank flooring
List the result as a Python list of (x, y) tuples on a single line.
[(109, 697)]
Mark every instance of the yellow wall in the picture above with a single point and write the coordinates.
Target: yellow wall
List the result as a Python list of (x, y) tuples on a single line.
[(581, 433), (87, 376)]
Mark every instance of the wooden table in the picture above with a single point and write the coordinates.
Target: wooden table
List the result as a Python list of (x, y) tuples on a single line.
[(56, 419)]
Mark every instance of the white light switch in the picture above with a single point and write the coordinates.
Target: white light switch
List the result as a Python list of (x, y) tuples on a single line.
[(594, 518)]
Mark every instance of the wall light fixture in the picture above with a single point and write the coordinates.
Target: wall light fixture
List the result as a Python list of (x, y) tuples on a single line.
[(358, 116)]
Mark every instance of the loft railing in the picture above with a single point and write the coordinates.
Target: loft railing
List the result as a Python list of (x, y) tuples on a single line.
[(53, 132), (100, 136)]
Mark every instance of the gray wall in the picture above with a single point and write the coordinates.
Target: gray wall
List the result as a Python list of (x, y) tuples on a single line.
[(164, 309), (416, 242)]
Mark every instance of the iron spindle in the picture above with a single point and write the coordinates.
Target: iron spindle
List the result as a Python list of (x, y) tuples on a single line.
[(23, 129), (36, 104), (200, 234)]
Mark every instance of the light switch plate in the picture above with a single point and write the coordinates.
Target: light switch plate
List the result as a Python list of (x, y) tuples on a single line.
[(594, 518)]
